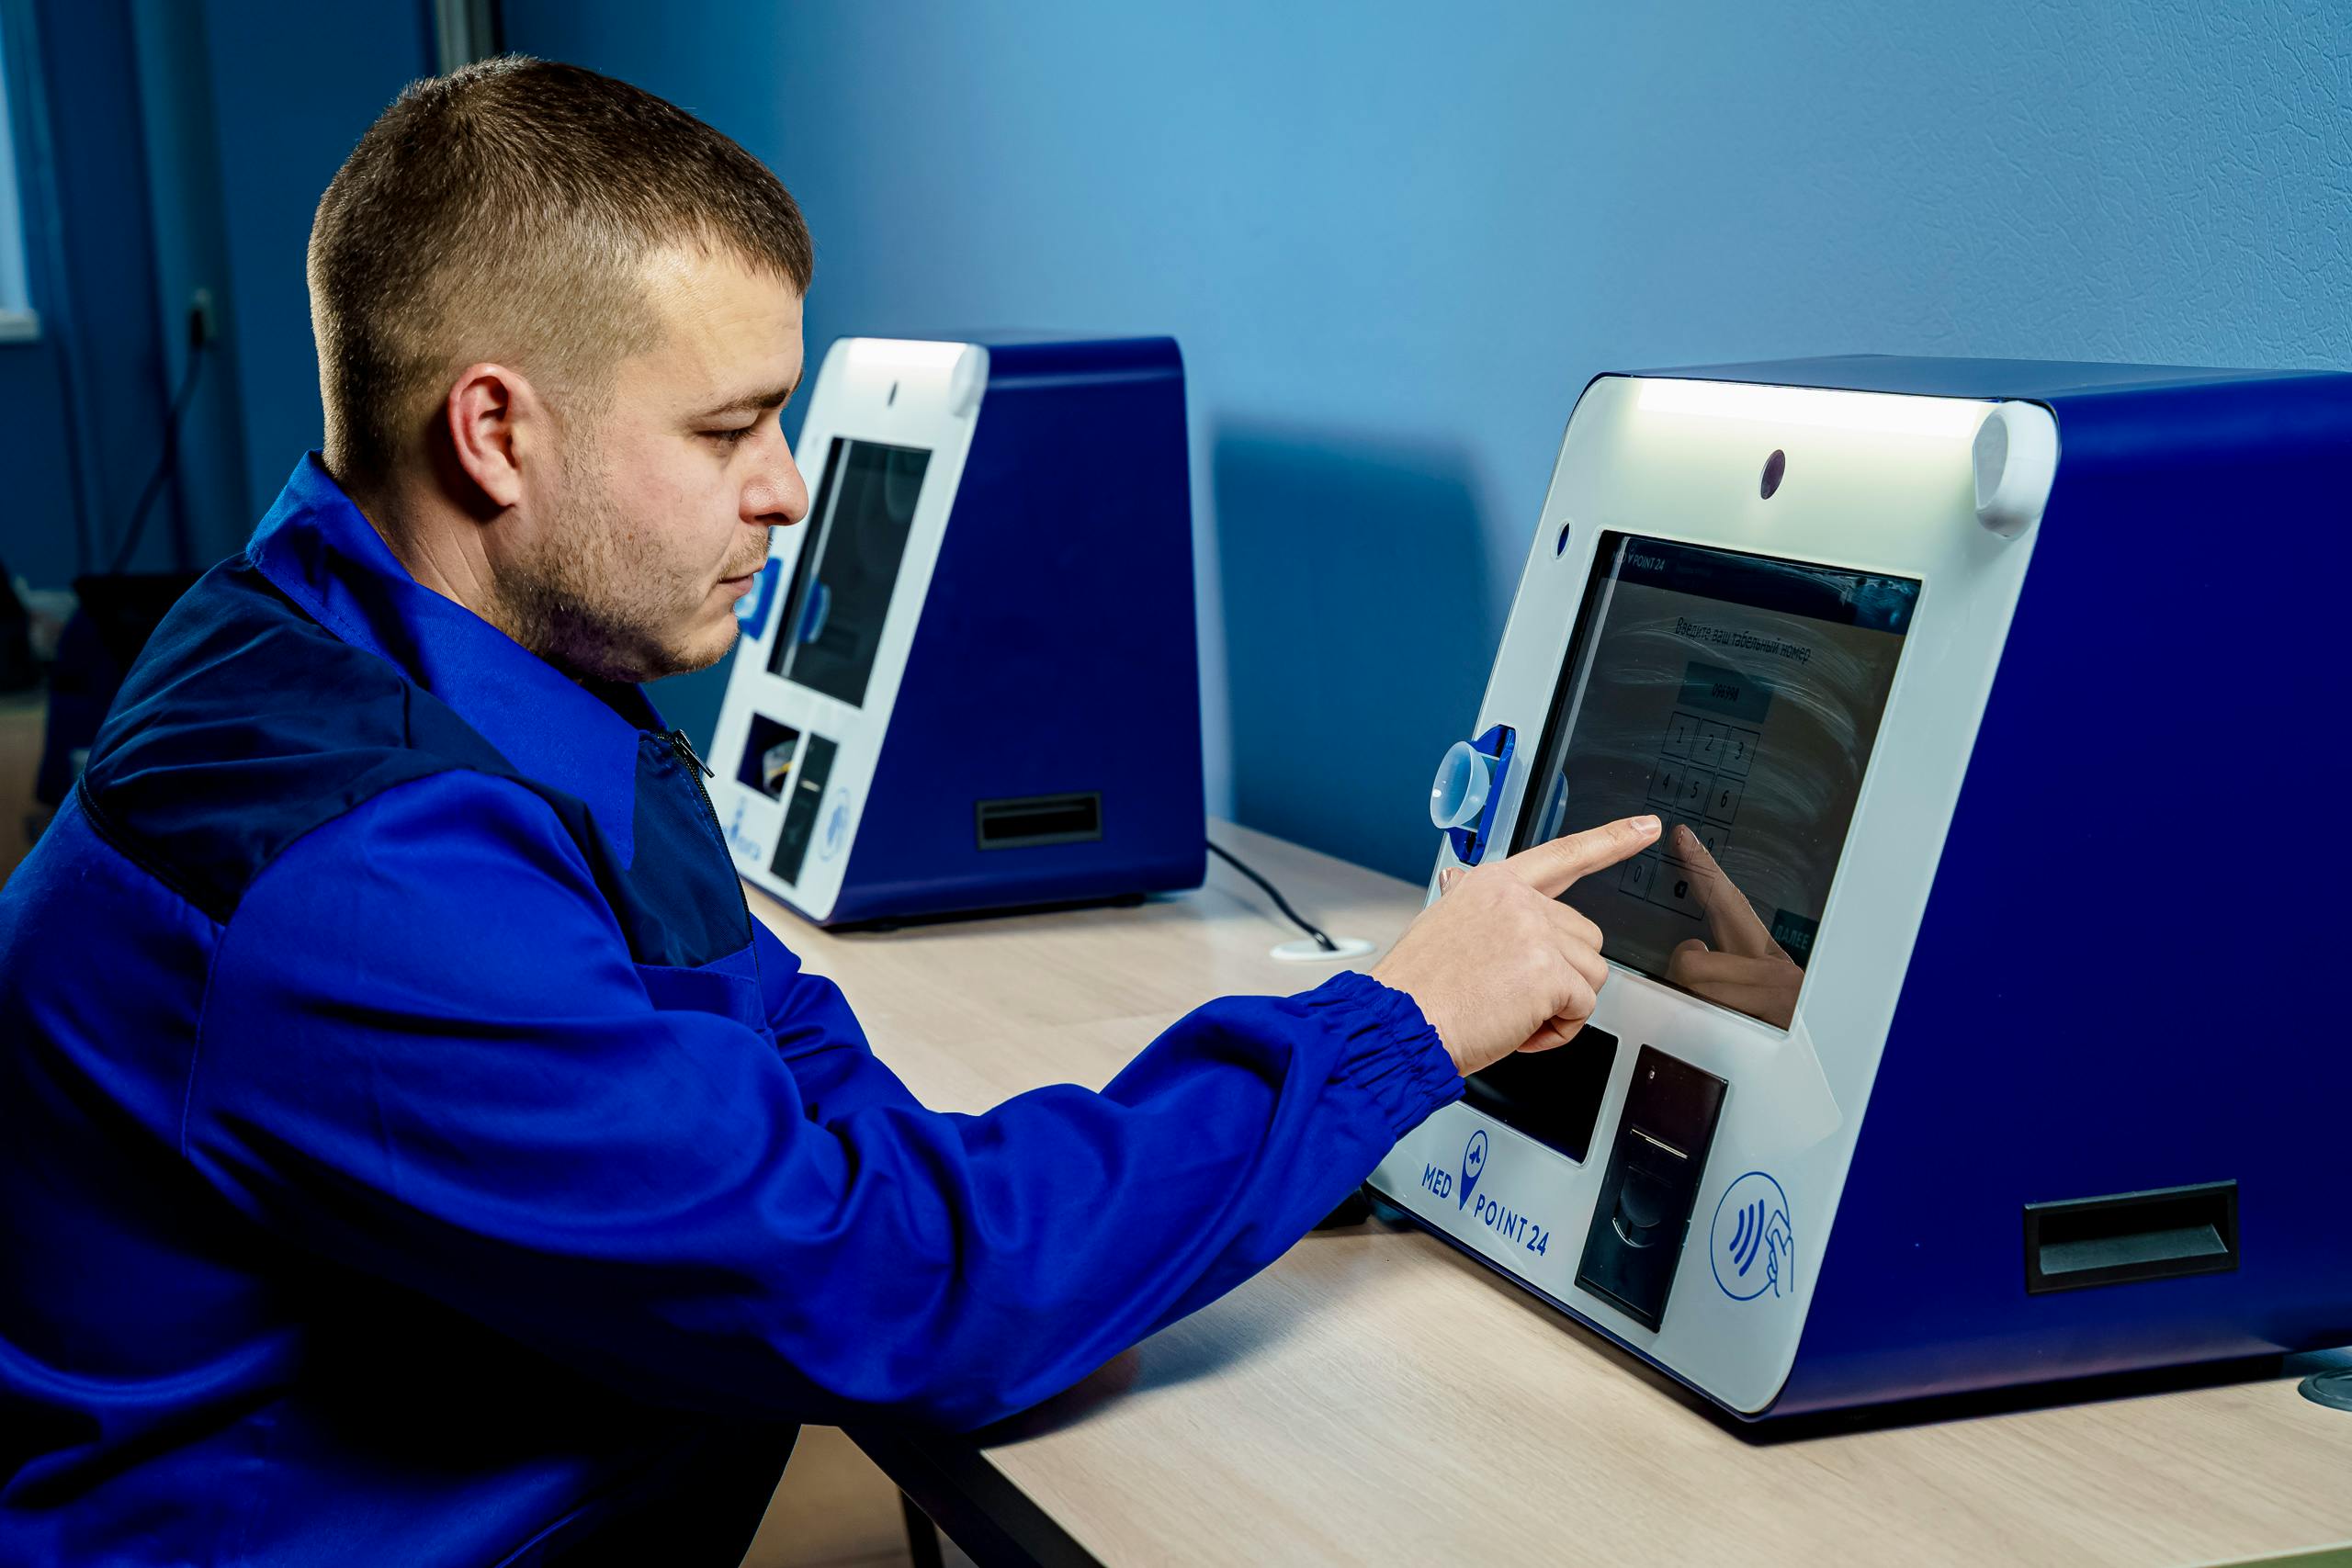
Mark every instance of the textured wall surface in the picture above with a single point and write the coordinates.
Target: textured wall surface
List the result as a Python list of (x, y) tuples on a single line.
[(181, 145), (184, 170), (295, 84), (1396, 240)]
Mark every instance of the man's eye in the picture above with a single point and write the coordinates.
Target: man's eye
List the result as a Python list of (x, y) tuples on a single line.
[(732, 435)]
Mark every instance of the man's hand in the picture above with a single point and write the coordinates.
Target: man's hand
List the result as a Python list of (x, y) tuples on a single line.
[(1746, 968), (1498, 965)]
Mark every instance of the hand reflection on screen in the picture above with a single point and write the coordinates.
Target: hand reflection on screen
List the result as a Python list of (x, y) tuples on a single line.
[(1742, 967)]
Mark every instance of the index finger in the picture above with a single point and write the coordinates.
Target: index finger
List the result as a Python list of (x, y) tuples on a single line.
[(1553, 868), (1730, 916)]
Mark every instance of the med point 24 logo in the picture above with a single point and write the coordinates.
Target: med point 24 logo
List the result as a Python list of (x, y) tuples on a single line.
[(1474, 1161), (1445, 1183), (1752, 1243), (1511, 1227)]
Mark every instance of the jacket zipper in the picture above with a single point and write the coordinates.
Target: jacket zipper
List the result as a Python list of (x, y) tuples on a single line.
[(697, 770)]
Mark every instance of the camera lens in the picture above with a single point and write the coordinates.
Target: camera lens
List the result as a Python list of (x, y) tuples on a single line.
[(1775, 466)]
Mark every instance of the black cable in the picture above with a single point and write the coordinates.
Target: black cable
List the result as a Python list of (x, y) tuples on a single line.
[(1301, 921), (167, 462)]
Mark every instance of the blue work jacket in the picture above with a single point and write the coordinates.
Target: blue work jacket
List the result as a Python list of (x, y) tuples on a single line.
[(412, 1151)]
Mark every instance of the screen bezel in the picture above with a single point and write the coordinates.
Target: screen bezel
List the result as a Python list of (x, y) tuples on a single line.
[(784, 643)]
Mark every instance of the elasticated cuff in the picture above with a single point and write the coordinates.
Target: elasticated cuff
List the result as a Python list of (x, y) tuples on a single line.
[(1388, 1049)]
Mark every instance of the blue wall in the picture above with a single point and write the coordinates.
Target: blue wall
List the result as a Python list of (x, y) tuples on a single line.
[(1396, 240), (295, 85), (1394, 244), (183, 176), (173, 145)]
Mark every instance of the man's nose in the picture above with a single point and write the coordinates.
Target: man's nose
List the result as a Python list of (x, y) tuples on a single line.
[(778, 497)]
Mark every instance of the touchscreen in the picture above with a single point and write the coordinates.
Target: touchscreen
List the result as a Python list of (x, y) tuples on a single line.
[(1736, 697), (832, 626)]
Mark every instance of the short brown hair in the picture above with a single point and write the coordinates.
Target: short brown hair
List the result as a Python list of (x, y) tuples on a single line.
[(502, 212)]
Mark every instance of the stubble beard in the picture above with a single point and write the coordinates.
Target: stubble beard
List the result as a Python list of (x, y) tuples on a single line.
[(595, 604)]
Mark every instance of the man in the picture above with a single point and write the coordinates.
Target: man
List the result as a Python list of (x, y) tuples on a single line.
[(410, 1149)]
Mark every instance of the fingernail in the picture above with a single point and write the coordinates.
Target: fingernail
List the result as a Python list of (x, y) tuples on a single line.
[(1645, 825), (1448, 877)]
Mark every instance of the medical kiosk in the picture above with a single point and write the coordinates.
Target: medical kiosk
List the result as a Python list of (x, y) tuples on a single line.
[(1976, 1020), (968, 681)]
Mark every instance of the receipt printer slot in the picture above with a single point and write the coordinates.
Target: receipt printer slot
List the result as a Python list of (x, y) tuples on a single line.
[(1651, 1185), (2129, 1236)]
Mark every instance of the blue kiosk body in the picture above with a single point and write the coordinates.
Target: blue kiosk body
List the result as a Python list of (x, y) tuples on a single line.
[(2125, 1032), (969, 681), (2058, 1093)]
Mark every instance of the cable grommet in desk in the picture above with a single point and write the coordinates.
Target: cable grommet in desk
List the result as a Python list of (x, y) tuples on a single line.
[(2332, 1389)]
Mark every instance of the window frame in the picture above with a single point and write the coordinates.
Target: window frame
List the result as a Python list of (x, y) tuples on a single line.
[(19, 322)]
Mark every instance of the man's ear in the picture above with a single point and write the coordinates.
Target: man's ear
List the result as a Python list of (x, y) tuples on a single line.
[(487, 410)]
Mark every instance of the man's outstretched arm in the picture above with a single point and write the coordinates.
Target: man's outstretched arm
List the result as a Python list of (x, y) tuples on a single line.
[(427, 1055)]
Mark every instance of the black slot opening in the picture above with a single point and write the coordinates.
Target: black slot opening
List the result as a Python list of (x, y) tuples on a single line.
[(1651, 1185), (2159, 1235), (807, 792), (1039, 819), (767, 756), (1552, 1096)]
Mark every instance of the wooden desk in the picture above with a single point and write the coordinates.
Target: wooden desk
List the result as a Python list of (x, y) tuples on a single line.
[(1375, 1397)]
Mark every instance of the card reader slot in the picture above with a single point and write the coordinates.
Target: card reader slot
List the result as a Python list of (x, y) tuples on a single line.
[(1039, 819), (808, 794), (2158, 1235), (768, 747)]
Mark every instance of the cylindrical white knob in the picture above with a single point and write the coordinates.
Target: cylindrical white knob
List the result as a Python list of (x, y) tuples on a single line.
[(967, 380), (1460, 793), (2016, 460)]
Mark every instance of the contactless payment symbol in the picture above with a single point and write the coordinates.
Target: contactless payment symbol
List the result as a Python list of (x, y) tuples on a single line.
[(1474, 1160), (1753, 1244)]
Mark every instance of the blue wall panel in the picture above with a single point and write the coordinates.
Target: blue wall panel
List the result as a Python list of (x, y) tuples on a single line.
[(1393, 246), (1394, 240), (191, 252), (126, 220), (295, 86)]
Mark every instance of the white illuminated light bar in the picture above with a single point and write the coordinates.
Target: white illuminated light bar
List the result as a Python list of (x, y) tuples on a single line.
[(1876, 412), (900, 354)]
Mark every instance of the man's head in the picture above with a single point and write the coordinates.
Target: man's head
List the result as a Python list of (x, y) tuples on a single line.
[(556, 319)]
